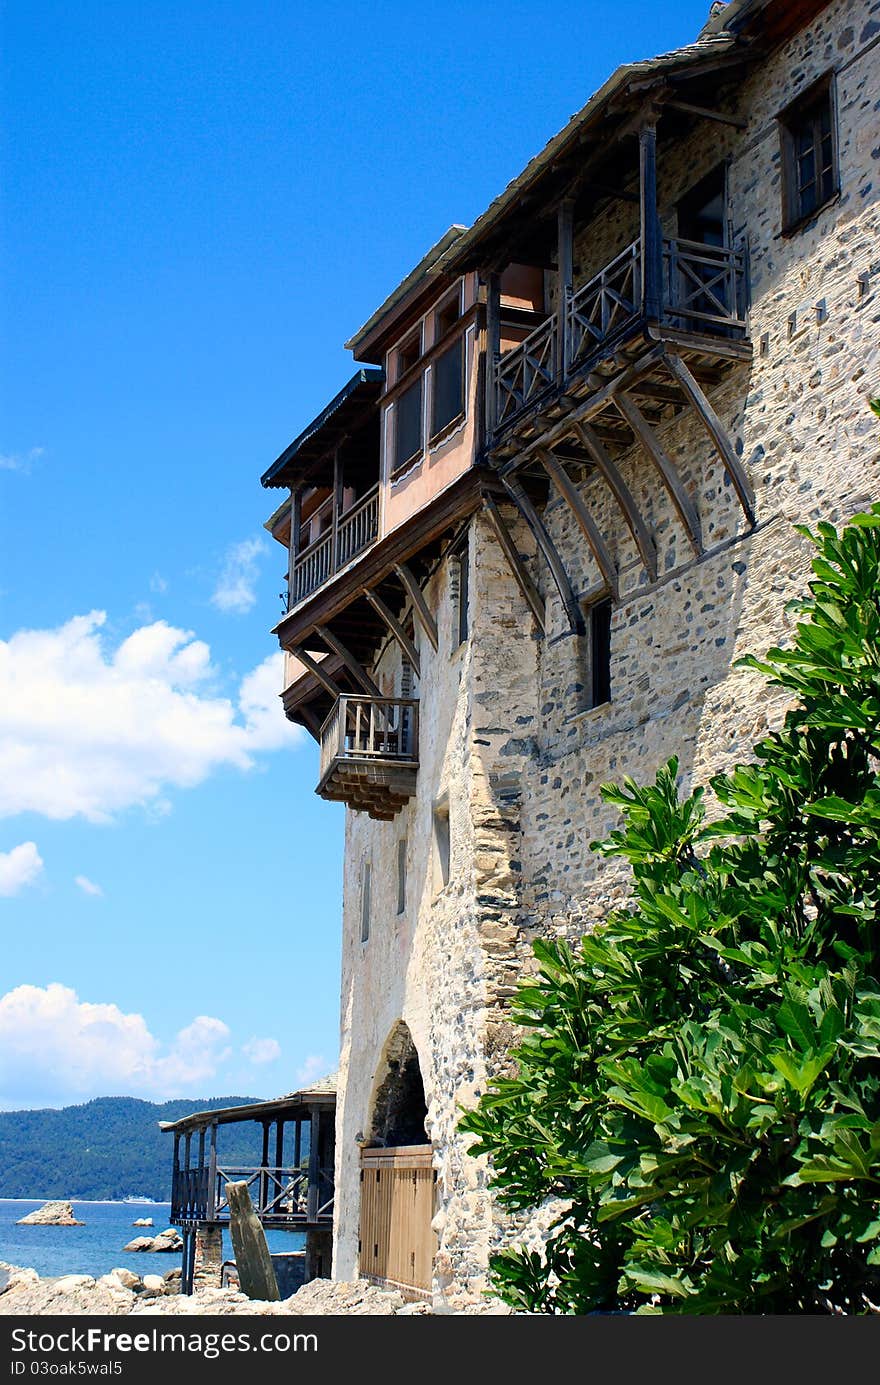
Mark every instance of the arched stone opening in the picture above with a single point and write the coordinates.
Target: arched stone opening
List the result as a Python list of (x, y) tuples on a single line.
[(399, 1109)]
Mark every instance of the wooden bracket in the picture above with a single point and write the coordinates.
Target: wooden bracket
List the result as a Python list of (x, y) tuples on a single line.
[(573, 612), (572, 496), (420, 605), (517, 566), (314, 667), (357, 671), (648, 439), (396, 629), (623, 495), (717, 432)]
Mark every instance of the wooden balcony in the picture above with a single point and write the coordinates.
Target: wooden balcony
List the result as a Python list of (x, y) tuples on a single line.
[(369, 753), (702, 307), (346, 536)]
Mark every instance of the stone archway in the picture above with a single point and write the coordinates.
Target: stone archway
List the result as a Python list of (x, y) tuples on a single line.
[(398, 1108), (397, 1244)]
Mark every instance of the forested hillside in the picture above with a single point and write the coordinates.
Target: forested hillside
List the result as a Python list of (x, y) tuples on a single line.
[(111, 1147)]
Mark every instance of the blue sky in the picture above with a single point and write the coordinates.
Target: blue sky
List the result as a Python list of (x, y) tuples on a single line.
[(201, 202)]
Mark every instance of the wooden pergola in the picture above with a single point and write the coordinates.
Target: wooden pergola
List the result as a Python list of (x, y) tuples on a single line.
[(291, 1188)]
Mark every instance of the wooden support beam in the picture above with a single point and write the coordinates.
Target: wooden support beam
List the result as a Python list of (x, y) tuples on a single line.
[(493, 347), (314, 1136), (623, 495), (717, 432), (396, 629), (420, 605), (212, 1173), (588, 408), (314, 667), (530, 592), (357, 671), (706, 112), (564, 280), (573, 498), (651, 236), (609, 190), (311, 721), (646, 436), (573, 612)]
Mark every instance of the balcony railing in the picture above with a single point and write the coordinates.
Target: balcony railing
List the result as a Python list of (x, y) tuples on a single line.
[(280, 1196), (370, 753), (349, 535), (370, 728), (704, 290)]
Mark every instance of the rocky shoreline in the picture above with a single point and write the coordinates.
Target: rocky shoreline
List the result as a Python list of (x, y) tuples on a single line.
[(121, 1292)]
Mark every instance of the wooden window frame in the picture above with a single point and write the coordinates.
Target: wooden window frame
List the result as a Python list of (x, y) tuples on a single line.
[(459, 343), (795, 114), (400, 465)]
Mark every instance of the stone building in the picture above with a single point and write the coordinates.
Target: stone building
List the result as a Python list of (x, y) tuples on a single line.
[(531, 536)]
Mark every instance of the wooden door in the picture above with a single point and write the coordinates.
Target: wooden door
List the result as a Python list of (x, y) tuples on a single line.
[(397, 1244)]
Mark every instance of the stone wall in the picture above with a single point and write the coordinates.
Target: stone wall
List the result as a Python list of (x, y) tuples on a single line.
[(507, 734)]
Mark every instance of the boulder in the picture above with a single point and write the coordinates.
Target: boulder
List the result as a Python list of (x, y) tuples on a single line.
[(51, 1214), (154, 1284), (143, 1221), (165, 1241), (127, 1278)]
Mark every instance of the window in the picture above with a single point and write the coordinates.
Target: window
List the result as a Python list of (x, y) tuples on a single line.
[(366, 902), (809, 153), (448, 392), (408, 354), (600, 652), (463, 593), (446, 316), (401, 875), (408, 425), (441, 844)]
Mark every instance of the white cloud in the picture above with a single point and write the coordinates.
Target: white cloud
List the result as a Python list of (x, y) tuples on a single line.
[(262, 1050), (88, 730), (158, 584), (235, 591), (58, 1048), (19, 867), (87, 886), (20, 461), (315, 1066)]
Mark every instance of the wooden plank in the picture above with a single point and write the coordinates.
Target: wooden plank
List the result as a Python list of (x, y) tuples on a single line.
[(717, 432), (523, 580), (493, 346), (420, 605), (706, 112), (357, 671), (623, 495), (396, 629), (573, 612), (672, 481), (314, 1140), (572, 497), (314, 668)]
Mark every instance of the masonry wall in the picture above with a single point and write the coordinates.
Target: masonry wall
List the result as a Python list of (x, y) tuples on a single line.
[(506, 729)]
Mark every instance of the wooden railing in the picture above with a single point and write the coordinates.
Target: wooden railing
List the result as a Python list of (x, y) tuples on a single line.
[(705, 286), (277, 1194), (704, 289), (370, 728), (523, 374), (348, 535), (604, 305)]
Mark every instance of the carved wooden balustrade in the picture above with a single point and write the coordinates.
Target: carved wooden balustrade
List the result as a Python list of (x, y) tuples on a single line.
[(370, 753), (348, 535)]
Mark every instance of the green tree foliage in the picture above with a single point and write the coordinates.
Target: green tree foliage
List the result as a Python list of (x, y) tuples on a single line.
[(699, 1080), (111, 1147)]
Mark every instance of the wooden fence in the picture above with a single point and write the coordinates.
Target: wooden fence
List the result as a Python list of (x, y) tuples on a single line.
[(397, 1244)]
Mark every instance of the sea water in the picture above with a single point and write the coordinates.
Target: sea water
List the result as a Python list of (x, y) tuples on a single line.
[(96, 1247)]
